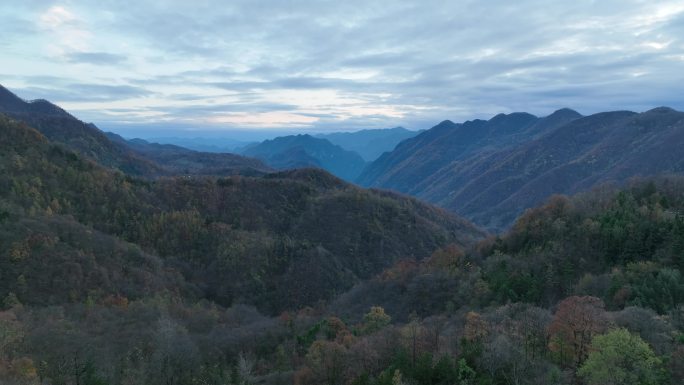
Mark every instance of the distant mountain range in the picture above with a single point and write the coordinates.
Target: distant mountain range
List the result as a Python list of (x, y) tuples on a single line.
[(180, 160), (208, 144), (343, 154), (298, 151), (491, 171), (110, 150), (370, 144)]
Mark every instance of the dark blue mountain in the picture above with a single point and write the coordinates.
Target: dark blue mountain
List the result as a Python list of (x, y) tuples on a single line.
[(298, 151)]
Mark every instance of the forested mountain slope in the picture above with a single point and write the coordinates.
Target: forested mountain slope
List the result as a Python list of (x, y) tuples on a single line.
[(544, 302), (114, 152), (413, 160), (490, 182), (86, 139), (298, 151), (112, 279), (279, 241)]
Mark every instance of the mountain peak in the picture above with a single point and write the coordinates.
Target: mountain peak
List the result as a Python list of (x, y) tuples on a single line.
[(5, 92), (370, 143), (10, 102), (42, 106), (566, 112), (501, 117), (661, 110), (445, 123)]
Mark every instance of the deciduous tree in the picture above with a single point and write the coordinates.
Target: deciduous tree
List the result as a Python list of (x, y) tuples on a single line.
[(576, 321), (621, 358)]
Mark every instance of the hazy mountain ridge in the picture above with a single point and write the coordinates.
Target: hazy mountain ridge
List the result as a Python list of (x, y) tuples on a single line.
[(296, 151), (599, 148), (180, 160), (203, 144), (370, 144)]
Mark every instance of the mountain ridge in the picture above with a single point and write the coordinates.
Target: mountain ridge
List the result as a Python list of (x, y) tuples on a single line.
[(114, 151), (304, 150), (370, 143), (492, 181), (428, 152)]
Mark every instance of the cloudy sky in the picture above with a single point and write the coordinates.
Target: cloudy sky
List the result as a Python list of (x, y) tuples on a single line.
[(330, 65)]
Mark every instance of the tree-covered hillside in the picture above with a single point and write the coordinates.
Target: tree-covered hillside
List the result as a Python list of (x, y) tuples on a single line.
[(111, 279), (242, 238), (298, 277), (579, 284)]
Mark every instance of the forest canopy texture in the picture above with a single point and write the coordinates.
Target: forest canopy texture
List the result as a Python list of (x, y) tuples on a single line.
[(115, 277)]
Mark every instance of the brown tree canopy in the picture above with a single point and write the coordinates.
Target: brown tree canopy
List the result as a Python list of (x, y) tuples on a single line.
[(576, 321)]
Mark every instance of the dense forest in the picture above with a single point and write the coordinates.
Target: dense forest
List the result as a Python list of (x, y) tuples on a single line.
[(299, 277)]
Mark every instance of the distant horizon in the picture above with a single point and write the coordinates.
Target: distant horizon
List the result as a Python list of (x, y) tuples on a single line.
[(251, 135), (173, 130), (161, 130)]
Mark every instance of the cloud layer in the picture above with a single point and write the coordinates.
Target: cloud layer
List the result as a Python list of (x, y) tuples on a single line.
[(328, 65)]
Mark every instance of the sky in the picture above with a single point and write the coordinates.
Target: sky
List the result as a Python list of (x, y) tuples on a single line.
[(275, 65)]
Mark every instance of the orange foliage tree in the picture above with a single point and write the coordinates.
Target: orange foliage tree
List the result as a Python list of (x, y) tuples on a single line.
[(576, 321)]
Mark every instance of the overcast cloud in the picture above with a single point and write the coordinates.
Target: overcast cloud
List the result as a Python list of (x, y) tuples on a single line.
[(330, 65)]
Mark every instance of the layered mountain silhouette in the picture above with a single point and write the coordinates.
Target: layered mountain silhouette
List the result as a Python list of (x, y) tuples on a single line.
[(278, 241), (370, 144), (160, 274), (113, 151), (297, 151), (202, 144), (491, 171), (180, 160)]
